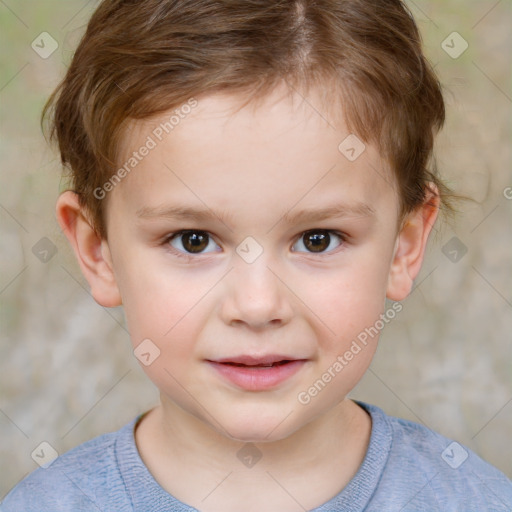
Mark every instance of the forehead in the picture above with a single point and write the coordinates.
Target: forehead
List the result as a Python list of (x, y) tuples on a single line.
[(278, 152)]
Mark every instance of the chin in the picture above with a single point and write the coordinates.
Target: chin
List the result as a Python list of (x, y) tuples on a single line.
[(259, 428), (256, 435)]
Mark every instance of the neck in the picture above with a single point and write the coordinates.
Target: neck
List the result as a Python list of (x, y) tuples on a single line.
[(322, 455)]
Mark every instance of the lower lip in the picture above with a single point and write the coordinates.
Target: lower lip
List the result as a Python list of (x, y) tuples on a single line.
[(258, 379)]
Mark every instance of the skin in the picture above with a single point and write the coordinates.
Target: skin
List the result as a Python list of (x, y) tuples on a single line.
[(253, 166)]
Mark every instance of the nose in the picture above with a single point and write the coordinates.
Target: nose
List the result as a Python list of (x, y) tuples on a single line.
[(256, 296)]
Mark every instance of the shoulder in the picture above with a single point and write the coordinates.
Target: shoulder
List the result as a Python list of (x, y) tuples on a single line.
[(424, 467), (84, 478)]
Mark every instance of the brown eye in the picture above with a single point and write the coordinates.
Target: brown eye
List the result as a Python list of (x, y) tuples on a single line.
[(318, 240), (193, 242)]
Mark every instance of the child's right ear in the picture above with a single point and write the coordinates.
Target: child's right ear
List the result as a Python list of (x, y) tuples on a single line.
[(93, 253)]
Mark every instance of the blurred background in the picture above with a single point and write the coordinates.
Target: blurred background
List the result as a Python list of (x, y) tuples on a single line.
[(67, 371)]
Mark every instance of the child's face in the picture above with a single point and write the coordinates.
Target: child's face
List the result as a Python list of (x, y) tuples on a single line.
[(227, 301)]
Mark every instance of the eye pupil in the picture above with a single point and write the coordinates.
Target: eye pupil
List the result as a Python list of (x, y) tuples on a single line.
[(197, 241), (317, 240)]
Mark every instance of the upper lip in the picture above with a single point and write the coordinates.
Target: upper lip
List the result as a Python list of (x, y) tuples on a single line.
[(256, 360)]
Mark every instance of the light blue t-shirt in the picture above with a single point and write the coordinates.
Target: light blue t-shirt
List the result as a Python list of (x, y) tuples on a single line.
[(407, 468)]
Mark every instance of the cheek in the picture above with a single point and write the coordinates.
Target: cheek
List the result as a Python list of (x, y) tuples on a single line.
[(163, 310), (156, 303), (347, 301), (347, 332)]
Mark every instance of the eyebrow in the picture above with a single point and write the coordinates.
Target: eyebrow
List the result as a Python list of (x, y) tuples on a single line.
[(306, 215), (334, 211)]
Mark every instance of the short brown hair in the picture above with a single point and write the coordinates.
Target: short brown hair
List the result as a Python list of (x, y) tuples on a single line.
[(140, 58)]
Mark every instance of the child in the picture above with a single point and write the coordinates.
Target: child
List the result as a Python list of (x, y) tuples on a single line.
[(251, 181)]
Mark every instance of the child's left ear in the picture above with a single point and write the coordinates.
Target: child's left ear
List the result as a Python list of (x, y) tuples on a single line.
[(410, 246)]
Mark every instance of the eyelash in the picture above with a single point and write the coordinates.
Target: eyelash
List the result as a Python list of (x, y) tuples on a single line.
[(189, 256)]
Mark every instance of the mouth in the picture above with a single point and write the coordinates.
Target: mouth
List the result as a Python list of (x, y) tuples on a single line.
[(261, 366), (257, 373)]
